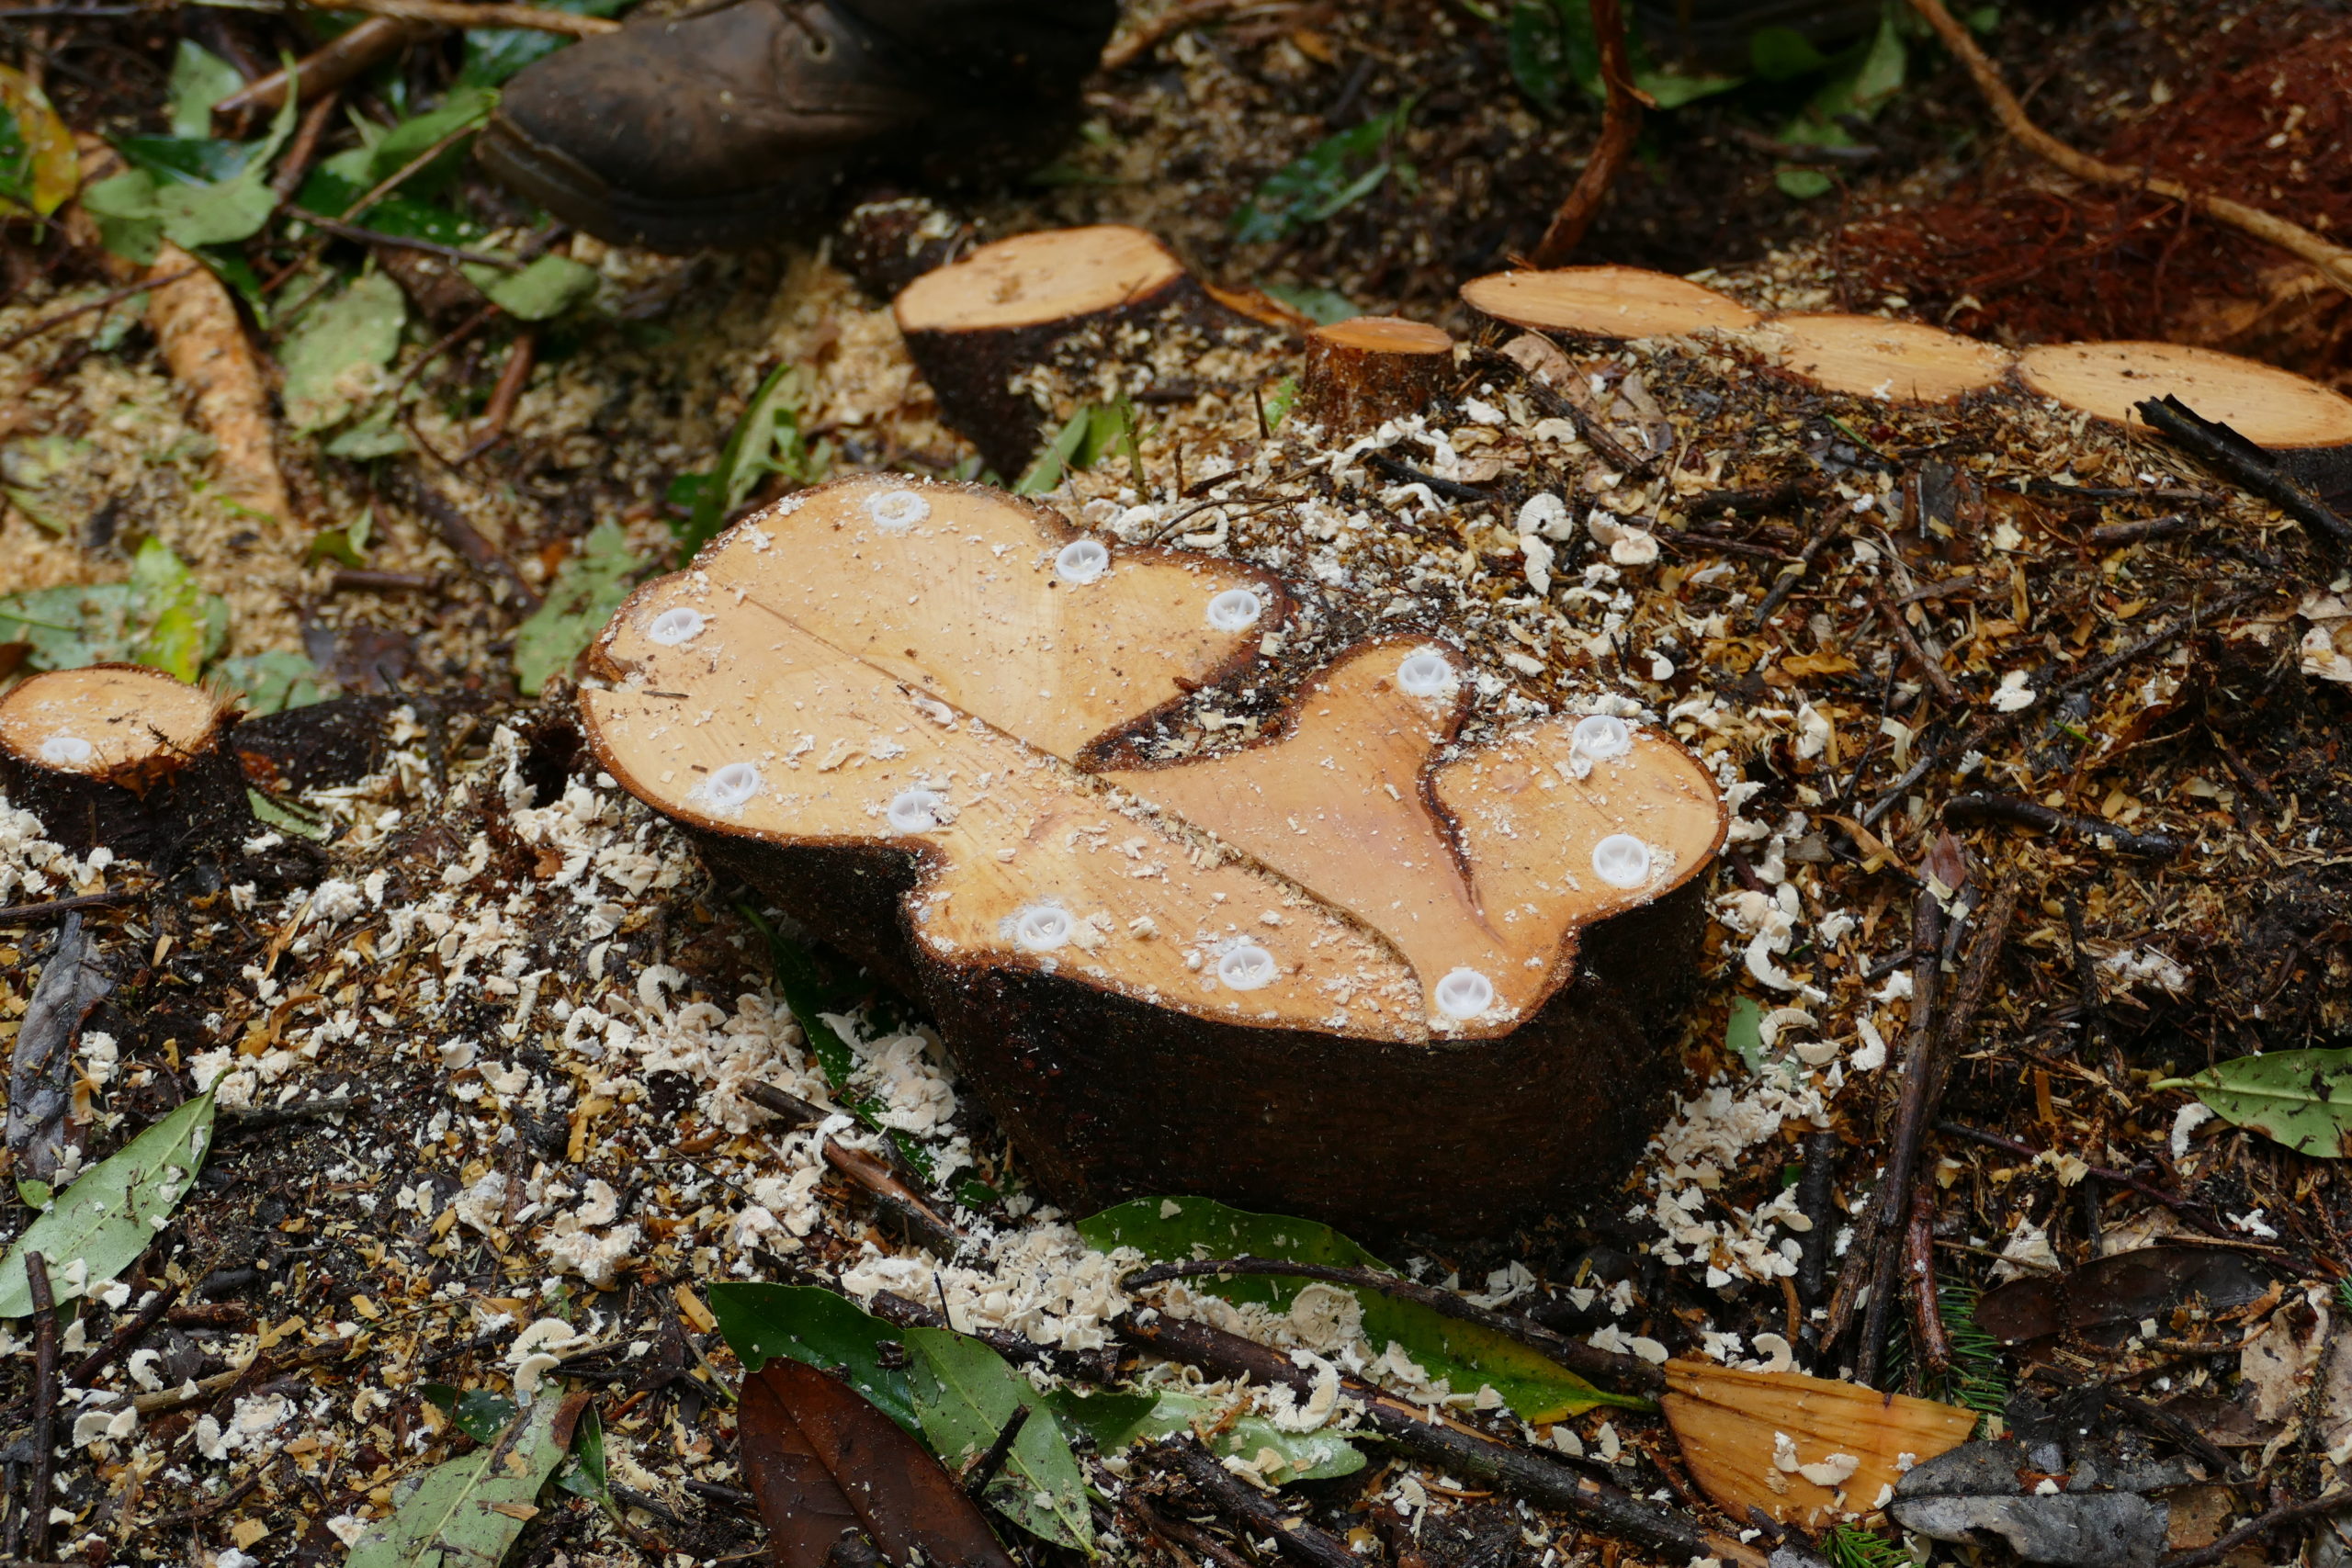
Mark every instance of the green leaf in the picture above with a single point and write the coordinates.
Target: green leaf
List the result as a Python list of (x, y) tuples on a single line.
[(376, 433), (1115, 1420), (766, 440), (812, 1324), (108, 1217), (465, 105), (69, 627), (199, 80), (182, 160), (1802, 184), (1045, 470), (39, 169), (549, 286), (233, 208), (1278, 406), (276, 814), (1781, 54), (1321, 306), (1333, 175), (494, 55), (453, 1515), (335, 355), (44, 474), (964, 1394), (1537, 46), (1744, 1035), (124, 207), (1464, 1354), (585, 1475), (480, 1414), (588, 588), (182, 627), (274, 681), (2301, 1099)]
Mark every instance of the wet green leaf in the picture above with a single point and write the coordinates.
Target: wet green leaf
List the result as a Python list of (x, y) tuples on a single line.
[(463, 107), (181, 628), (110, 1216), (964, 1394), (1464, 1354), (1116, 1420), (199, 80), (766, 440), (494, 55), (479, 1412), (1332, 175), (813, 1325), (467, 1512), (547, 287), (69, 627), (2301, 1099), (274, 681), (138, 209), (1321, 306), (335, 355), (1744, 1035), (1783, 54), (587, 589), (585, 1475)]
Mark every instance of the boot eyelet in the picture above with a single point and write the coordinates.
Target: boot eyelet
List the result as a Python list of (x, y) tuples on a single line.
[(819, 47)]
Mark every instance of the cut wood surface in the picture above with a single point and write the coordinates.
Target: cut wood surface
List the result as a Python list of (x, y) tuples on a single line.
[(119, 755), (975, 325), (2266, 405), (1360, 372), (938, 674), (1804, 1449), (1606, 301), (1877, 356)]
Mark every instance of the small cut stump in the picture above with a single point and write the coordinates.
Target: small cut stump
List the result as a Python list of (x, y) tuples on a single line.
[(1360, 372), (122, 756), (1351, 970)]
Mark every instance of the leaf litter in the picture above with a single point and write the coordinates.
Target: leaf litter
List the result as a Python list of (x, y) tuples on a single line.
[(580, 1167)]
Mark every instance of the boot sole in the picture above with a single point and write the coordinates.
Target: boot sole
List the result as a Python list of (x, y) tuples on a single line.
[(578, 197)]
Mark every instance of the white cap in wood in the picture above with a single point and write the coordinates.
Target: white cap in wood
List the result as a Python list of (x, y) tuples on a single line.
[(1426, 674), (1622, 861), (915, 810), (1082, 561), (675, 626), (1464, 993), (1234, 610), (896, 511), (1600, 736), (1041, 928), (1246, 966), (732, 787)]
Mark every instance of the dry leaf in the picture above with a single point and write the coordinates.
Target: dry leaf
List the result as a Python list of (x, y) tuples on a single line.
[(1803, 1448)]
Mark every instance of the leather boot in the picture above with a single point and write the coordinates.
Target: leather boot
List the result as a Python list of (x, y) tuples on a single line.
[(735, 122)]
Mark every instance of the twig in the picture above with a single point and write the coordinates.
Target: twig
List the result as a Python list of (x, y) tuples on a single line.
[(2108, 535), (2286, 1514), (796, 1112), (1621, 125), (1814, 1198), (2334, 263), (450, 14), (2243, 463), (896, 1197), (111, 296), (1628, 1373), (2017, 808), (1184, 1533), (295, 166), (1549, 399), (360, 578), (984, 1469), (1404, 473), (1698, 539), (123, 1338), (1131, 46), (2241, 769), (1794, 573), (315, 76), (1259, 1514), (2188, 1209), (17, 914), (512, 377), (1748, 500), (1928, 666), (340, 230), (44, 1434), (461, 537), (1808, 153), (2163, 1420), (1869, 1255), (1927, 1332), (1520, 1472)]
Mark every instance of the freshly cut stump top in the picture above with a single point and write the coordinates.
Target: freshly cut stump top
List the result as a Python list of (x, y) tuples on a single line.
[(1872, 357), (1386, 335), (1034, 280), (2266, 405), (888, 664), (107, 721), (1606, 301)]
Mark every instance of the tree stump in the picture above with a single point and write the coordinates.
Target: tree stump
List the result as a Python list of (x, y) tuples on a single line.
[(1874, 356), (2266, 405), (1353, 970), (122, 756), (1615, 302), (1108, 305), (1362, 372)]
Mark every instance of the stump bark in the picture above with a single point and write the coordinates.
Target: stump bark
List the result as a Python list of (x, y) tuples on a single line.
[(1362, 372), (1353, 969), (1109, 305), (122, 756)]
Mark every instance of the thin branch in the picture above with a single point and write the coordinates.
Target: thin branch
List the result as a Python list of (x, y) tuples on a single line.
[(111, 296), (2333, 261), (450, 14), (1621, 124)]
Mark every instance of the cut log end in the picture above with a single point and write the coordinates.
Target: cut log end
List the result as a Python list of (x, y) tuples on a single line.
[(1874, 356), (1606, 302), (2266, 405), (975, 325), (1360, 372), (1333, 900), (121, 756)]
